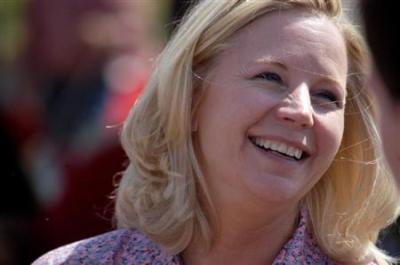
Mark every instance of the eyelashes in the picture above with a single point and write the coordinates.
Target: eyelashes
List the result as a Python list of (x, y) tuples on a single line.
[(269, 76), (319, 96), (328, 97)]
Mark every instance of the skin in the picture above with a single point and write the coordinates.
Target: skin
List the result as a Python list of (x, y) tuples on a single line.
[(274, 82), (388, 121)]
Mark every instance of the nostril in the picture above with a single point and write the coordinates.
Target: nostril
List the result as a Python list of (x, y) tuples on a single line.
[(288, 119)]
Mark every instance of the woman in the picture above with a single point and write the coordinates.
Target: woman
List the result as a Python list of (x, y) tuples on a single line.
[(252, 144)]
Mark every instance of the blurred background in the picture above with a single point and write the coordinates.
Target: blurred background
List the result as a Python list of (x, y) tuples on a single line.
[(69, 72)]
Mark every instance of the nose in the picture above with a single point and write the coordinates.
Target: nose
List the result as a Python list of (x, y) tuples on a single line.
[(296, 109)]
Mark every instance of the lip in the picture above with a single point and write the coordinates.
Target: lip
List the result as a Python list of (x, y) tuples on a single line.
[(298, 144)]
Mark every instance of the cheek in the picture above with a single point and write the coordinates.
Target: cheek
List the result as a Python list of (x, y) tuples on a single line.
[(216, 124), (331, 134)]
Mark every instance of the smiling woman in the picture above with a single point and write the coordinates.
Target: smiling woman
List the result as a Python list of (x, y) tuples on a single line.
[(289, 104), (252, 144)]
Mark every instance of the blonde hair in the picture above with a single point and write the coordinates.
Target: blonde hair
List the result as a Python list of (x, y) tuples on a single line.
[(163, 192)]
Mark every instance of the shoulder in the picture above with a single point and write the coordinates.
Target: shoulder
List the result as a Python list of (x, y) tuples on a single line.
[(303, 248), (122, 246)]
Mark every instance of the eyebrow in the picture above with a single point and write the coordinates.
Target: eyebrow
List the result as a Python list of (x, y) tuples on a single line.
[(271, 60)]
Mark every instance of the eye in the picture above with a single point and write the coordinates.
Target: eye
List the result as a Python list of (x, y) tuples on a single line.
[(326, 97), (269, 76)]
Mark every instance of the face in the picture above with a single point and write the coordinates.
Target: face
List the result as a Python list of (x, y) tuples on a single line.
[(272, 115), (388, 121)]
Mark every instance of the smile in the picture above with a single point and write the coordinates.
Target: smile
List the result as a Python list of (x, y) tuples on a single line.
[(280, 148)]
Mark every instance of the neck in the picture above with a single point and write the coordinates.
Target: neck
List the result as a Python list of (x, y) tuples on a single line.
[(245, 238)]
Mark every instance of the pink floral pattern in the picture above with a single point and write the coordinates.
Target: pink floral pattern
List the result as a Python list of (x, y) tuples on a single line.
[(126, 246)]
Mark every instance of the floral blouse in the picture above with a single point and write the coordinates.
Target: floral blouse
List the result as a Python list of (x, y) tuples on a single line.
[(127, 246)]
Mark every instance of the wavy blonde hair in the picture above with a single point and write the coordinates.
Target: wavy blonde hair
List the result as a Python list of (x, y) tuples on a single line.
[(163, 192)]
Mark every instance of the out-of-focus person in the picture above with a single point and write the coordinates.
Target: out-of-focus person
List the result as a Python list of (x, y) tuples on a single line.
[(380, 20), (82, 65), (381, 26)]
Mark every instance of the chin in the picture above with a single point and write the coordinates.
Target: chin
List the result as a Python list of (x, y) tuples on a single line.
[(278, 190)]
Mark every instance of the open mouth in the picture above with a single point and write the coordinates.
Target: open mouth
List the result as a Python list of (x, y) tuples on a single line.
[(280, 148)]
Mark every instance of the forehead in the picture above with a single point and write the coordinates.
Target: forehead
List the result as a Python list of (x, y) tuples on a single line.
[(296, 37)]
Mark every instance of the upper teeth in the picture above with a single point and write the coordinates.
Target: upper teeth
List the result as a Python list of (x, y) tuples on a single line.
[(280, 147)]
